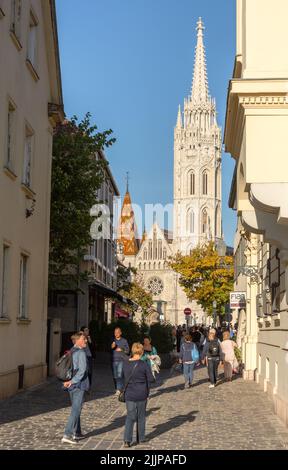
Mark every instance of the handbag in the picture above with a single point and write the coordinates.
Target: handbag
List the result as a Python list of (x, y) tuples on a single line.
[(121, 396)]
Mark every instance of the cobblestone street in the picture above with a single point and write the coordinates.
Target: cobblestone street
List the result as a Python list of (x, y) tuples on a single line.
[(234, 415)]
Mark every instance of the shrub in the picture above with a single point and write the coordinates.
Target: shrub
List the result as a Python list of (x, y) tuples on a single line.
[(103, 335), (162, 337)]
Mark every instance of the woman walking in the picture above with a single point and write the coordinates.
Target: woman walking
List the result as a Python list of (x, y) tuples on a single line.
[(137, 375), (211, 355), (186, 358), (228, 356)]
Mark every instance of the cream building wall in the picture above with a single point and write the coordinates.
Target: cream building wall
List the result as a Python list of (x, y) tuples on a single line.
[(256, 136), (28, 89)]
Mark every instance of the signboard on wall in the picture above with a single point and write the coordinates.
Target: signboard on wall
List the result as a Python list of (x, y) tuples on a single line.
[(237, 300)]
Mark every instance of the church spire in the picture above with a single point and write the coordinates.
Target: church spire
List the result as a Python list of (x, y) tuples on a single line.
[(200, 91), (179, 118)]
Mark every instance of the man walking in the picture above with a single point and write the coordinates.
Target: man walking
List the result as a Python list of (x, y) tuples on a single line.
[(119, 348), (76, 388)]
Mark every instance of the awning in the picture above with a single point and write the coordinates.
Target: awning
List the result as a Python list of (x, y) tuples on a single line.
[(112, 293), (120, 313)]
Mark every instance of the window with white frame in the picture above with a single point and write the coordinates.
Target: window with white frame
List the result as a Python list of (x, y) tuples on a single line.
[(11, 117), (16, 9), (4, 282), (28, 151), (23, 294), (32, 40)]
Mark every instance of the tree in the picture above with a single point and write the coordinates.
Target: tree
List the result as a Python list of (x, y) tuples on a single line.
[(205, 276), (76, 176), (137, 294)]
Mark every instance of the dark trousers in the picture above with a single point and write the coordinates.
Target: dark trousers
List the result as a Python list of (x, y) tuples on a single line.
[(136, 413), (213, 363)]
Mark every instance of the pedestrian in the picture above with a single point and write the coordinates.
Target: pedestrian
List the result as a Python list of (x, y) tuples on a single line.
[(228, 356), (211, 356), (120, 349), (88, 352), (186, 359), (76, 387), (150, 355), (138, 377)]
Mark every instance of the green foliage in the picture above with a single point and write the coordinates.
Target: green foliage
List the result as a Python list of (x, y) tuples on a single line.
[(238, 354), (103, 336), (76, 176), (162, 337), (206, 277)]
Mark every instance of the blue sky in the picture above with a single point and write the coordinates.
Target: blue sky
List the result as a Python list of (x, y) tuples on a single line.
[(130, 63)]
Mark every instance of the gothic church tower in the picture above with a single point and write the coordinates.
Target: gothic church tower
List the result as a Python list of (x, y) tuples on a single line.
[(197, 163)]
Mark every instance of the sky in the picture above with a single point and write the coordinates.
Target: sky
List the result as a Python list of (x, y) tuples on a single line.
[(130, 63)]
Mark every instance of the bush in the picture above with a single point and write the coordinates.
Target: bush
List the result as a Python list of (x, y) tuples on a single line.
[(162, 337), (238, 354), (102, 336)]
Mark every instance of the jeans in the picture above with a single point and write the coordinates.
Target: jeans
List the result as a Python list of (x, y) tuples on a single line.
[(213, 363), (118, 374), (136, 413), (73, 426), (188, 372)]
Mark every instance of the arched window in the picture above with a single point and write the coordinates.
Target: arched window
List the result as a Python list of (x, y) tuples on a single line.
[(144, 265), (159, 265), (140, 265), (145, 254), (218, 228), (204, 221), (190, 221), (160, 249), (205, 182), (191, 183), (164, 253), (150, 249)]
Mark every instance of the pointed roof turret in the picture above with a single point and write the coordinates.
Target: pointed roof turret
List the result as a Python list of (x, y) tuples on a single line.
[(127, 230), (179, 118), (200, 89)]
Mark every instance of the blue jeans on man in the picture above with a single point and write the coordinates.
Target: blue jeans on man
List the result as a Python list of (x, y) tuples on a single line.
[(73, 426), (136, 413), (188, 372), (118, 374)]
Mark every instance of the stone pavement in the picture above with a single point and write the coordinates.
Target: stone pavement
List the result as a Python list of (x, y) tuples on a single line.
[(234, 415)]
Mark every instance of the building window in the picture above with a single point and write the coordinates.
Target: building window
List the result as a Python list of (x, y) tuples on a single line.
[(160, 249), (190, 221), (4, 282), (191, 183), (145, 254), (204, 221), (16, 6), (23, 287), (205, 183), (32, 41), (28, 149), (150, 249), (10, 135), (164, 253)]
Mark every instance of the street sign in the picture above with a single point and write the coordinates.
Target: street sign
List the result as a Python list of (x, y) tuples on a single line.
[(187, 311), (237, 299)]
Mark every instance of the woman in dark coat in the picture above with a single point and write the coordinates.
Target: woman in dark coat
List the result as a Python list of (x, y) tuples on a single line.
[(139, 375)]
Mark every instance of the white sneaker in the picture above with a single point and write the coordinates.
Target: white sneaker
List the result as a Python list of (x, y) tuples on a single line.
[(211, 386), (68, 440)]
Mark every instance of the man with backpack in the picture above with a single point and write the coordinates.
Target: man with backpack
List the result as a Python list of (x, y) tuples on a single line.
[(77, 385), (211, 356)]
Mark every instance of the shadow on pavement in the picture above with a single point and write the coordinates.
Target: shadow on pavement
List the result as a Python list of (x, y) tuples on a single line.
[(172, 423), (117, 423)]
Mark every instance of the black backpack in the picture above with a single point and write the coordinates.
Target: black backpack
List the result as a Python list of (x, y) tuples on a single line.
[(214, 348), (64, 367)]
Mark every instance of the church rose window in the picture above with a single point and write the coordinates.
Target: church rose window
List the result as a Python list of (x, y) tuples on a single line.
[(155, 285)]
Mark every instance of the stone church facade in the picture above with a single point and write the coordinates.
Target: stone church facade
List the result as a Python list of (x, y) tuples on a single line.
[(197, 201)]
